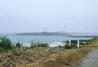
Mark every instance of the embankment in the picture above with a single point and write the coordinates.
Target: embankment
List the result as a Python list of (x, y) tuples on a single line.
[(43, 57)]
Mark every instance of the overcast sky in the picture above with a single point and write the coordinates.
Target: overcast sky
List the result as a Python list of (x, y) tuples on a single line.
[(49, 15)]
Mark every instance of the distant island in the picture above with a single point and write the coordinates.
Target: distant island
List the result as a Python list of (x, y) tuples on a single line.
[(52, 34), (45, 34), (58, 34)]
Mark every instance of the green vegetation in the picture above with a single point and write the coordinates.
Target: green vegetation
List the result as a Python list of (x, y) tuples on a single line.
[(38, 44), (5, 44), (18, 45), (91, 41), (1, 49), (67, 46), (59, 46)]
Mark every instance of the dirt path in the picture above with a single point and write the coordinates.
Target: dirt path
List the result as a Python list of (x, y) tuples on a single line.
[(91, 60)]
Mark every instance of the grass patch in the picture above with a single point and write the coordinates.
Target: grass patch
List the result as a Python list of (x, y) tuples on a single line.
[(5, 44), (38, 44)]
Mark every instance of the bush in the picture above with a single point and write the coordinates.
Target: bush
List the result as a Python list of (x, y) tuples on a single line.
[(67, 46), (33, 44), (5, 43), (74, 45), (59, 46), (39, 44), (42, 45), (18, 45), (1, 49)]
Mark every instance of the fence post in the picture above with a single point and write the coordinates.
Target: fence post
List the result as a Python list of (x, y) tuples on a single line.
[(69, 42), (78, 44)]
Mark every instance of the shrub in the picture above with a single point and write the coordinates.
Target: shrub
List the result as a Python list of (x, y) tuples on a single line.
[(5, 43), (74, 45), (1, 49), (18, 45), (39, 44), (67, 46), (59, 46), (42, 45), (33, 44)]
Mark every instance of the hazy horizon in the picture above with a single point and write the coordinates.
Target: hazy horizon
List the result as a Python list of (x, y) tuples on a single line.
[(20, 16)]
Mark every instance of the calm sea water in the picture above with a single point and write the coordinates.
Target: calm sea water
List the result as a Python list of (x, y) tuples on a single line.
[(52, 40)]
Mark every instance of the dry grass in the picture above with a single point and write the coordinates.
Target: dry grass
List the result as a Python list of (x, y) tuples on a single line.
[(43, 57), (68, 58)]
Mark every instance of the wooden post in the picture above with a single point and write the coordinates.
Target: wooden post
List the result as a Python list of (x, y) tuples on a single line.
[(78, 44), (69, 42)]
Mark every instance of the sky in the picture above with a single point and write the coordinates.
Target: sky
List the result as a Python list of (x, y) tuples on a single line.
[(79, 16)]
